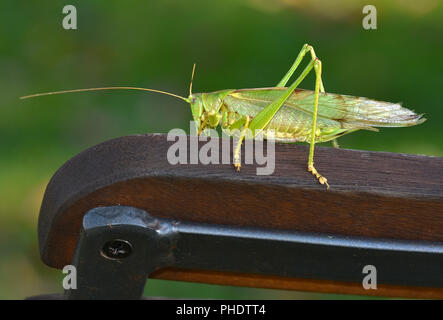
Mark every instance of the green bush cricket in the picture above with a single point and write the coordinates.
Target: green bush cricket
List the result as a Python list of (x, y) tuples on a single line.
[(292, 114)]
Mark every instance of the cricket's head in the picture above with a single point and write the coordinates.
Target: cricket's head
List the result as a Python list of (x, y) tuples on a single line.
[(196, 102), (207, 109)]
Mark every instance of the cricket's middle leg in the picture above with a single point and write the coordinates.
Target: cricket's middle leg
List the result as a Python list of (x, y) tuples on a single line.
[(335, 144), (311, 168), (237, 163)]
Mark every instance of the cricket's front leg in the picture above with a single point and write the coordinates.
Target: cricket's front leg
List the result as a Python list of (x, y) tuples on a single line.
[(237, 163), (311, 168)]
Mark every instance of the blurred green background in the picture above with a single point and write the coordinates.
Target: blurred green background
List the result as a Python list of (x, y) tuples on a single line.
[(235, 43)]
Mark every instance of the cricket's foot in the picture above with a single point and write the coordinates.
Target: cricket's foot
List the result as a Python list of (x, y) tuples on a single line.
[(319, 177), (237, 163)]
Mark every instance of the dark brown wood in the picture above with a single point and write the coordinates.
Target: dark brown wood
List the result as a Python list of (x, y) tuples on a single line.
[(298, 284), (373, 194)]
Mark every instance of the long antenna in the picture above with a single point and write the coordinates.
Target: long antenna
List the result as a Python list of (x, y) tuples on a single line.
[(192, 79), (104, 88)]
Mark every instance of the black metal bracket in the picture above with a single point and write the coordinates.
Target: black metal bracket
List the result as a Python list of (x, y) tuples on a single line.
[(120, 246)]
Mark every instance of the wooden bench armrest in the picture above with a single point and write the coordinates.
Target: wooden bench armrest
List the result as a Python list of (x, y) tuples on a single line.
[(375, 195)]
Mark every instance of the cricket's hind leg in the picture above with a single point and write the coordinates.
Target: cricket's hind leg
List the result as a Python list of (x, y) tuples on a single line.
[(264, 117), (318, 88), (306, 48), (311, 168)]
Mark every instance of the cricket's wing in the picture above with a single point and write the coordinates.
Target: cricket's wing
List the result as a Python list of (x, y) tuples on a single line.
[(350, 111)]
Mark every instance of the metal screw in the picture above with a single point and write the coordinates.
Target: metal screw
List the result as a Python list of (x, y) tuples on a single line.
[(117, 249)]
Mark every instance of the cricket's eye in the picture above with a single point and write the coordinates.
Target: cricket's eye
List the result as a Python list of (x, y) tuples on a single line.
[(192, 99)]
